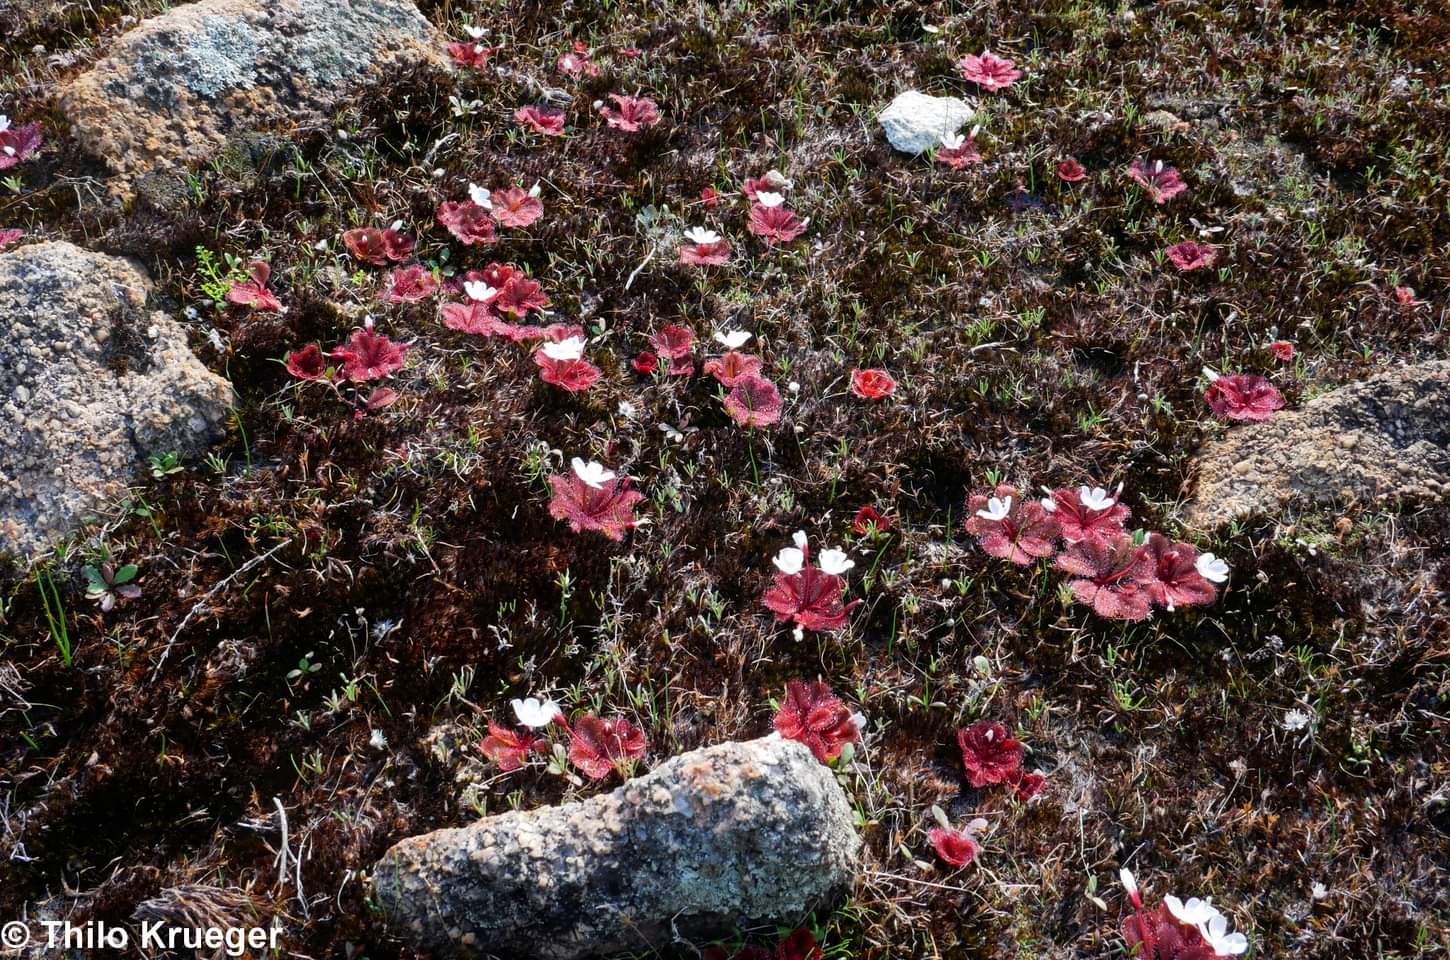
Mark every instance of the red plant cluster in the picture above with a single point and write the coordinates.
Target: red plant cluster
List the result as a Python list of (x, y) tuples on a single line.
[(814, 716), (989, 72), (868, 521), (991, 756), (607, 509), (469, 223), (872, 384), (799, 945), (1178, 930), (959, 155), (808, 595), (1159, 182), (545, 121), (471, 54), (510, 748), (1191, 255), (10, 236), (732, 367), (1243, 396), (1070, 171), (365, 356), (753, 402), (597, 747), (674, 342), (378, 247), (1117, 576), (577, 62), (18, 144), (775, 224), (410, 284), (631, 114), (252, 292)]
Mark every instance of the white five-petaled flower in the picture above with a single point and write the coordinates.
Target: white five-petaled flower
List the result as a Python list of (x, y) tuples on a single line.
[(570, 349), (475, 32), (1210, 567), (9, 150), (997, 509), (478, 290), (732, 339), (952, 140), (1210, 374), (789, 560), (594, 473), (1192, 913), (1095, 498), (377, 739), (767, 199), (396, 225), (835, 561), (1295, 720), (701, 236), (1048, 504), (480, 196), (535, 190), (4, 123), (1223, 943), (535, 713)]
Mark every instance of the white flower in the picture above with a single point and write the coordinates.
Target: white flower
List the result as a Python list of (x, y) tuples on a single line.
[(478, 290), (477, 48), (702, 236), (480, 196), (1211, 568), (1223, 943), (1295, 720), (1048, 504), (858, 720), (997, 509), (1319, 891), (952, 140), (799, 633), (732, 339), (4, 123), (767, 199), (475, 32), (789, 560), (627, 409), (396, 225), (570, 349), (9, 150), (1192, 913), (377, 740), (535, 190), (535, 713), (1210, 374), (593, 473), (835, 561), (1130, 883), (799, 538), (1094, 498)]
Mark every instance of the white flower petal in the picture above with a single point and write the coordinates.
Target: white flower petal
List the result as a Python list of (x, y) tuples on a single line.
[(767, 199), (480, 196), (593, 473), (835, 561), (789, 560), (570, 349), (1211, 568), (732, 339)]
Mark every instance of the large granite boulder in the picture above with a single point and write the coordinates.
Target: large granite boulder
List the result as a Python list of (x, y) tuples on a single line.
[(170, 91), (712, 838), (91, 383), (1387, 437)]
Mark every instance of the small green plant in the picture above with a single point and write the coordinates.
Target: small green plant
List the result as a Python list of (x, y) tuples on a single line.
[(164, 464), (54, 613), (218, 276), (106, 581)]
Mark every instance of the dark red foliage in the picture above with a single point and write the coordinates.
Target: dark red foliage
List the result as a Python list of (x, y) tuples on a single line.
[(1243, 396), (307, 363), (9, 236), (546, 121), (1157, 935), (576, 63), (516, 207), (467, 221), (989, 754), (800, 945), (18, 143), (753, 402), (705, 254), (473, 55), (472, 317), (673, 341), (1191, 255), (710, 197), (1077, 522), (747, 952), (378, 247), (814, 716), (520, 296), (868, 519), (254, 292), (1025, 534), (1070, 171), (607, 509), (955, 848), (1159, 182), (1029, 785), (770, 183), (410, 284), (575, 376), (646, 363), (811, 599), (631, 113), (989, 72), (495, 275), (1282, 350), (508, 748), (1113, 576), (730, 367), (368, 356), (598, 747), (872, 384), (960, 157), (775, 224), (1174, 580)]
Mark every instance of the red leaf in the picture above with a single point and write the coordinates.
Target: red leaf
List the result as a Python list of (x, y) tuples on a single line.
[(753, 402), (507, 748), (814, 716), (607, 509), (516, 207), (954, 847), (410, 284), (872, 384), (1025, 534), (1113, 576), (369, 356), (1174, 580), (542, 120), (254, 292), (800, 945), (575, 376), (469, 223), (307, 363), (775, 224), (631, 113), (1243, 396), (989, 753), (732, 367), (598, 747)]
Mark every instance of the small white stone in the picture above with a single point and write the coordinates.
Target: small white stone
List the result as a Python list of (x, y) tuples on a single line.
[(915, 123)]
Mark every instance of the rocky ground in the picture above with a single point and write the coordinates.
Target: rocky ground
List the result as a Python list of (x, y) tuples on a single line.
[(254, 626)]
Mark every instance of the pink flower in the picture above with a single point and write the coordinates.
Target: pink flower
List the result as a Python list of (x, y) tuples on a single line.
[(369, 356), (956, 848), (410, 284), (509, 749), (1112, 576), (1161, 183), (1282, 350), (814, 716), (872, 384), (1191, 255), (467, 221), (17, 144), (576, 62), (633, 113), (730, 368), (254, 292), (1010, 526), (10, 236), (710, 197), (989, 72), (1173, 580), (753, 402), (575, 376), (1243, 396), (517, 207), (307, 363), (519, 296), (607, 509), (990, 755), (1070, 171), (1086, 513), (808, 595), (469, 54), (775, 224), (599, 747), (371, 245), (546, 121), (868, 520)]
